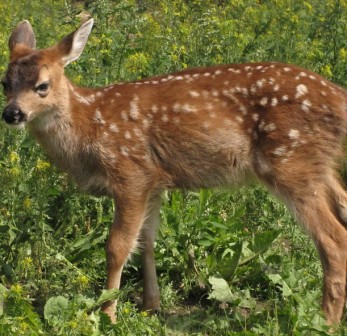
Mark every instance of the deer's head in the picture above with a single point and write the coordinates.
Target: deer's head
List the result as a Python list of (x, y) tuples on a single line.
[(34, 83)]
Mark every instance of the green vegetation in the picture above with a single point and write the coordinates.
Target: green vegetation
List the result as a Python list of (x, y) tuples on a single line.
[(228, 263)]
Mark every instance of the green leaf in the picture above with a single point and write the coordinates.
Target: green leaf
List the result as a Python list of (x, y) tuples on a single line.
[(233, 262), (220, 290), (278, 280), (56, 310), (262, 241), (3, 291), (107, 295)]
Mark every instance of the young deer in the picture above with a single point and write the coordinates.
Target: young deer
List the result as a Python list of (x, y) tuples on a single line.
[(199, 128)]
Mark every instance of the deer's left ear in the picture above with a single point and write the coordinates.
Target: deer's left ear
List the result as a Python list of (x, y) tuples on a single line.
[(22, 35), (71, 47)]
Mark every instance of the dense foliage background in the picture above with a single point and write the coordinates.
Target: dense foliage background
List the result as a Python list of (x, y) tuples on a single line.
[(228, 263)]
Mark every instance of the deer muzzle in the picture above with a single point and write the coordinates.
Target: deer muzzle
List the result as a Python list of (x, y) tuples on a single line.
[(13, 115)]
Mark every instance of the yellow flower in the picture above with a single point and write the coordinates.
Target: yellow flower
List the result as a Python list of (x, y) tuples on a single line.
[(343, 53), (326, 71), (16, 289), (126, 310), (15, 171), (73, 324), (26, 262), (27, 203), (23, 328), (82, 281), (42, 165), (144, 313), (77, 79), (137, 63), (14, 157)]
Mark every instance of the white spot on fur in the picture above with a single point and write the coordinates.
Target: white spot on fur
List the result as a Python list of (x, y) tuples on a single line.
[(176, 107), (188, 108), (305, 105), (285, 97), (215, 93), (280, 151), (98, 117), (113, 128), (127, 135), (87, 100), (239, 119), (194, 94), (287, 69), (164, 118), (237, 71), (263, 101), (255, 117), (294, 134), (138, 133), (276, 87), (253, 88), (274, 102), (261, 125), (134, 108), (154, 109), (218, 72), (124, 116), (124, 151), (270, 128), (145, 123), (243, 110), (260, 83), (301, 90)]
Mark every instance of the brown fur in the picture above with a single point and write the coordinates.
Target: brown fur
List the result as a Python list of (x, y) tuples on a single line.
[(200, 128)]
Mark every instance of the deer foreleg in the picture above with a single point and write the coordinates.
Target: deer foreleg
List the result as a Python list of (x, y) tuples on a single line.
[(151, 295)]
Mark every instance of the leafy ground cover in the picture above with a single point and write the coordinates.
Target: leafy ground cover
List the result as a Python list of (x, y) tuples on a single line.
[(228, 263)]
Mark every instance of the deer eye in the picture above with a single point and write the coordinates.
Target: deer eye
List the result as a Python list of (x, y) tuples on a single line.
[(42, 88)]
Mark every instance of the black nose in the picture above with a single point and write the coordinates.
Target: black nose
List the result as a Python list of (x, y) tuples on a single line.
[(13, 115)]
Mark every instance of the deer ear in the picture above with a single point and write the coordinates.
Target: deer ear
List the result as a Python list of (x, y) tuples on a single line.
[(71, 47), (23, 35)]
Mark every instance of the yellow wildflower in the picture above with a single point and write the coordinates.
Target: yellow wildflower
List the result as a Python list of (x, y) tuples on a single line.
[(27, 203), (14, 157), (42, 165)]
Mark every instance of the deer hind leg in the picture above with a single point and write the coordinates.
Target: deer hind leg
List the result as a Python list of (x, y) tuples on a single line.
[(313, 209), (339, 204), (151, 295), (331, 240)]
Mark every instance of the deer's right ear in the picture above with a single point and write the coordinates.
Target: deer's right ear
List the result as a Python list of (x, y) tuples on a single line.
[(71, 47), (22, 35)]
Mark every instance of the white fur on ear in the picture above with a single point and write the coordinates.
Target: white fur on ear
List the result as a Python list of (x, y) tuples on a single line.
[(79, 41)]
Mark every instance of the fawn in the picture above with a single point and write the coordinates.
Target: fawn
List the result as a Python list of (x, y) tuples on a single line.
[(198, 128)]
